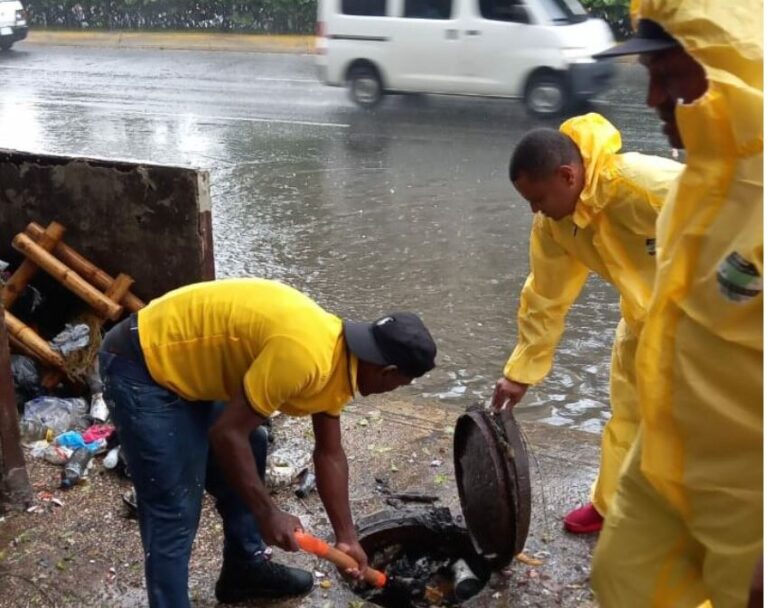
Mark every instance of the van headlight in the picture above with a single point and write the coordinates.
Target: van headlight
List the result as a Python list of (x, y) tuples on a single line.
[(21, 17), (578, 54)]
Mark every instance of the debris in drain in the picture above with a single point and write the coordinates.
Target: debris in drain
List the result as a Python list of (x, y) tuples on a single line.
[(418, 580)]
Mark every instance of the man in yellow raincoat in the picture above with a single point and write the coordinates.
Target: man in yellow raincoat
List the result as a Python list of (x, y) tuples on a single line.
[(596, 211), (686, 524)]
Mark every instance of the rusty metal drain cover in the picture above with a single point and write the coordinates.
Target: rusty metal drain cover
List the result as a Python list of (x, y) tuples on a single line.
[(493, 481)]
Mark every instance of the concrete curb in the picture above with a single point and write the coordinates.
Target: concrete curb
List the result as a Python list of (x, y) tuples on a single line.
[(186, 41)]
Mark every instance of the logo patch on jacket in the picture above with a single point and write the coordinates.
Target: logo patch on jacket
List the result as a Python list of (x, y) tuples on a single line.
[(738, 279), (650, 246)]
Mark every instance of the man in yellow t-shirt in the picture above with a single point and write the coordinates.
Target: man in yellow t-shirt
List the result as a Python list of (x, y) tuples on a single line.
[(261, 347)]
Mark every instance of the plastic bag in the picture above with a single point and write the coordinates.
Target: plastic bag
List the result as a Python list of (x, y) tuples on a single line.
[(60, 415), (93, 378), (38, 448), (57, 454), (98, 431), (29, 300), (74, 441), (99, 410), (72, 338), (285, 464), (25, 374), (26, 378)]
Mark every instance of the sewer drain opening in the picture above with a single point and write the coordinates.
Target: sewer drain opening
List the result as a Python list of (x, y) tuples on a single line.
[(426, 565)]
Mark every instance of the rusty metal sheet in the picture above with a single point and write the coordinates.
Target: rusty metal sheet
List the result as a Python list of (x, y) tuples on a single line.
[(493, 481)]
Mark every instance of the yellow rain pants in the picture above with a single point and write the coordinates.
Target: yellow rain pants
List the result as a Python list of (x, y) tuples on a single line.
[(620, 431), (612, 233), (687, 521)]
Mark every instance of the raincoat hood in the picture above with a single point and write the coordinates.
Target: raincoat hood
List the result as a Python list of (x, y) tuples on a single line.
[(726, 38), (598, 141)]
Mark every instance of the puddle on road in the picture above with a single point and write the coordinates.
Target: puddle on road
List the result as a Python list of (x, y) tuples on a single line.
[(371, 224)]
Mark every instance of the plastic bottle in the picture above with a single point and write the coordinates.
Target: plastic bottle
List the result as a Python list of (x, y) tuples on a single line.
[(75, 468), (99, 411), (110, 460), (32, 430), (466, 584)]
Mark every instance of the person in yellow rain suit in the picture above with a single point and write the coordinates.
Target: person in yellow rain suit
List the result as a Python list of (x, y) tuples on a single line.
[(686, 524), (596, 210)]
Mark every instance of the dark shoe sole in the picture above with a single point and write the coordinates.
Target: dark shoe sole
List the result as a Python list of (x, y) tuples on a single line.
[(236, 596)]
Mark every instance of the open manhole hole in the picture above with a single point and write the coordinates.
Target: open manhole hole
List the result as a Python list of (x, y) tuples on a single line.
[(429, 557)]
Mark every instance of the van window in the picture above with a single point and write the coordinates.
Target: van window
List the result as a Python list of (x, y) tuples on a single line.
[(365, 8), (563, 12), (428, 9), (504, 10)]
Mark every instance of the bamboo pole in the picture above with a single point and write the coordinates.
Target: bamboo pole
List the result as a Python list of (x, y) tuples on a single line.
[(67, 277), (85, 268), (119, 287), (29, 338), (20, 348), (27, 270)]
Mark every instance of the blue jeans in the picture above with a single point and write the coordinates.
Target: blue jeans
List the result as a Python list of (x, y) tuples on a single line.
[(165, 440)]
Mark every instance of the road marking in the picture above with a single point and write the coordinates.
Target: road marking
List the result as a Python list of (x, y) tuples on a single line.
[(197, 117)]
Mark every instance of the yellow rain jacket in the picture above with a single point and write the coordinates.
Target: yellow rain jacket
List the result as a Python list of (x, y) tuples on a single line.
[(612, 233), (687, 521)]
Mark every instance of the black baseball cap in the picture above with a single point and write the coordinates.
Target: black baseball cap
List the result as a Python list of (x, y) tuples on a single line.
[(400, 339), (649, 38)]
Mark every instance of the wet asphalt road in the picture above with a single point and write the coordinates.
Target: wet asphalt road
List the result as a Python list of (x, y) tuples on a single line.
[(407, 207)]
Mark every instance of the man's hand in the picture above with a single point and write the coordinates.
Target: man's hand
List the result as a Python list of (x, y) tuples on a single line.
[(277, 529), (507, 391), (356, 552)]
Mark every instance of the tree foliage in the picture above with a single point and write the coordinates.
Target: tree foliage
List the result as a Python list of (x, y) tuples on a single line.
[(267, 16), (615, 12)]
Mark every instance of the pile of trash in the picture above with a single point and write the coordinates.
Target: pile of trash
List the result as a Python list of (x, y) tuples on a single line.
[(64, 431), (288, 465), (55, 329)]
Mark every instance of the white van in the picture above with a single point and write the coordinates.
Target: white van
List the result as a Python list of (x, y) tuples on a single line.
[(13, 23), (538, 50)]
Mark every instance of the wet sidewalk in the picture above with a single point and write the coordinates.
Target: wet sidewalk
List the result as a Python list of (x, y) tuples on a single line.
[(87, 553), (183, 41)]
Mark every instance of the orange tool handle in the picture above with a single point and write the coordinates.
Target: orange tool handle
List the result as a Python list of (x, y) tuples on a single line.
[(315, 546)]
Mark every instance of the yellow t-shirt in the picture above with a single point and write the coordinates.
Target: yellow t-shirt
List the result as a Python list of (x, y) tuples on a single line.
[(203, 340)]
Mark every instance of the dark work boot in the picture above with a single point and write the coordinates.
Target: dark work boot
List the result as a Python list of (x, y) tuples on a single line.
[(262, 578)]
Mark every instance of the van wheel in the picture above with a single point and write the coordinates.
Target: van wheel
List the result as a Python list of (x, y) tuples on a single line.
[(547, 95), (6, 45), (365, 87)]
